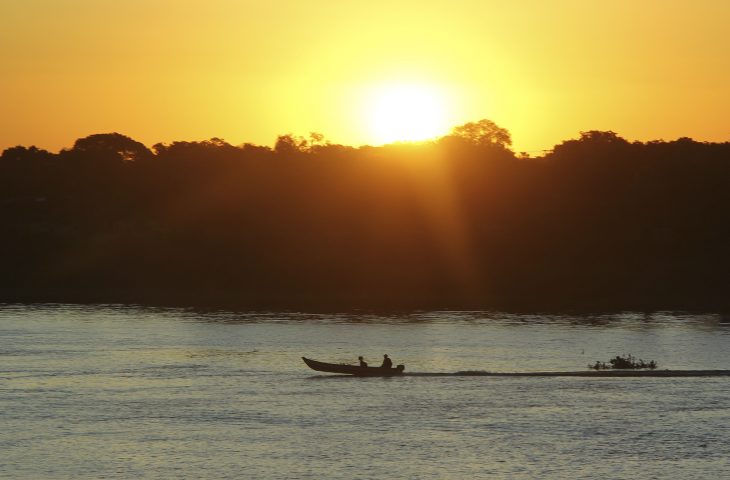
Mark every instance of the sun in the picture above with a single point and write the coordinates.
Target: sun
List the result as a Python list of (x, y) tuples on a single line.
[(406, 113)]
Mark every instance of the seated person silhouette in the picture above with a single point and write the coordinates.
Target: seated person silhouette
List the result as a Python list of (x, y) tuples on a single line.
[(363, 363), (387, 362)]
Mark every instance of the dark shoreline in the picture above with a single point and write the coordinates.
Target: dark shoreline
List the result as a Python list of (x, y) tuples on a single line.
[(599, 224), (386, 306)]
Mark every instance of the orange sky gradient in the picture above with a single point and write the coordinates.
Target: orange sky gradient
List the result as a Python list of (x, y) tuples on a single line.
[(247, 71)]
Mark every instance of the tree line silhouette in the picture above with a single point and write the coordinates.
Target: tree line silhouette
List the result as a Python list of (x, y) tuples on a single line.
[(458, 222)]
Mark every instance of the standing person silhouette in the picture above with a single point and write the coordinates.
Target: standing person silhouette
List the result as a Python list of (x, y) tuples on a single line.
[(363, 363), (387, 362)]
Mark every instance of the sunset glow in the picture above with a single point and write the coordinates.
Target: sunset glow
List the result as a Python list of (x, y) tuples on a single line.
[(247, 71)]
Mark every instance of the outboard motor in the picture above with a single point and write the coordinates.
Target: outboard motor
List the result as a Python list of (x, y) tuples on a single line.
[(400, 368)]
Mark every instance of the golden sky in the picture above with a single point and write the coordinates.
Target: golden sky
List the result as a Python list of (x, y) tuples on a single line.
[(246, 71)]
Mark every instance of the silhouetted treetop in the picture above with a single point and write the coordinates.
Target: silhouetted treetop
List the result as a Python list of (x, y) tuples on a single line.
[(289, 143), (111, 146), (483, 133), (214, 148), (601, 137), (25, 154)]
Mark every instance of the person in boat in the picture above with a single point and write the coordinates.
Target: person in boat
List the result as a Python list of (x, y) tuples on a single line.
[(387, 362), (363, 363)]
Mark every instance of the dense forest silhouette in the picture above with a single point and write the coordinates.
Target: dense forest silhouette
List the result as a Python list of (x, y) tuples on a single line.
[(597, 223)]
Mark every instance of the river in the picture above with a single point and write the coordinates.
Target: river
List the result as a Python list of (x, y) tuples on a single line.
[(130, 392)]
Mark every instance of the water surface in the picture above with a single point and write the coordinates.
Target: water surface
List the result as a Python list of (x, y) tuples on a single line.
[(120, 392)]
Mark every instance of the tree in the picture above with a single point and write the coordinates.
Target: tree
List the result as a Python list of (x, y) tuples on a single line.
[(111, 146), (20, 154), (483, 133), (593, 144), (287, 144), (601, 137)]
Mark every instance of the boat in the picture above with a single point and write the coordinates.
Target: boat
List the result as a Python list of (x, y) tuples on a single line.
[(355, 370)]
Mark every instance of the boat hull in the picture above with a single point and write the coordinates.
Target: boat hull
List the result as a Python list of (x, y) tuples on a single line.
[(355, 370)]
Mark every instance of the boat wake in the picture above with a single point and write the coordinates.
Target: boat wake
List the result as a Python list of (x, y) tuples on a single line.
[(589, 373)]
